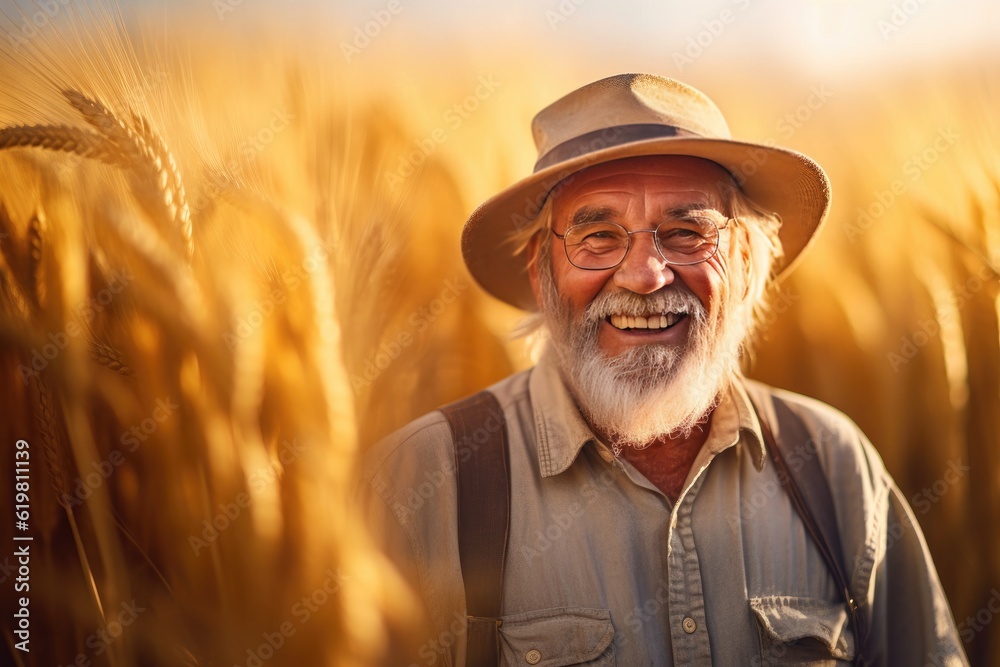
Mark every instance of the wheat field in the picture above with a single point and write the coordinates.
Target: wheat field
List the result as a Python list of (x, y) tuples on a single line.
[(228, 267)]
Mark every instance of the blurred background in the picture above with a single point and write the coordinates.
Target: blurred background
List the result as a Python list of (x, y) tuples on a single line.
[(230, 233)]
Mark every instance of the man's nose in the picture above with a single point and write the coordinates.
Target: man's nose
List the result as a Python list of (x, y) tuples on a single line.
[(643, 270)]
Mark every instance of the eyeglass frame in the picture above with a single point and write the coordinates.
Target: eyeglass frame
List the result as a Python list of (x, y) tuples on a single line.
[(656, 244)]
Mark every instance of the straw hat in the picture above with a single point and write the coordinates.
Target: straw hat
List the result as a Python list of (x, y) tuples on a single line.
[(626, 116)]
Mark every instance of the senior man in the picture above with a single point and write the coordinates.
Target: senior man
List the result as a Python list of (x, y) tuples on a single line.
[(632, 499)]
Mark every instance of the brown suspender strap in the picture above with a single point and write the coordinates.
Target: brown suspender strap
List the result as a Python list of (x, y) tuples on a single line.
[(798, 469), (482, 468)]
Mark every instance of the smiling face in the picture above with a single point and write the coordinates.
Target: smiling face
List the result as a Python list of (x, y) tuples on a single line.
[(646, 345), (639, 194)]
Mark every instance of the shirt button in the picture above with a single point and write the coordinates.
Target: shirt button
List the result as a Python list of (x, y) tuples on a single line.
[(533, 657), (689, 625)]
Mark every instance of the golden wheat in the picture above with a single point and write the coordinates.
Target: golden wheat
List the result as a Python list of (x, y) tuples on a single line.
[(59, 138), (158, 183), (173, 190), (52, 446), (108, 357)]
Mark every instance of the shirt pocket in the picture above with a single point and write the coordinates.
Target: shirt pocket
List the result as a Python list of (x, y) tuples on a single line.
[(557, 637), (803, 631)]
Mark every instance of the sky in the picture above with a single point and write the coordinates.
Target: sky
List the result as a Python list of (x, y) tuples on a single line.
[(813, 33), (672, 38)]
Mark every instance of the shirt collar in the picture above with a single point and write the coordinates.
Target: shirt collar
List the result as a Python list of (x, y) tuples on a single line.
[(738, 421), (561, 432)]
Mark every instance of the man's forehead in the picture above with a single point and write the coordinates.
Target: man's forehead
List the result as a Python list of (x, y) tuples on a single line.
[(696, 178)]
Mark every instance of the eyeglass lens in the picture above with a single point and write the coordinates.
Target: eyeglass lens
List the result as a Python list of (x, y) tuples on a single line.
[(602, 245)]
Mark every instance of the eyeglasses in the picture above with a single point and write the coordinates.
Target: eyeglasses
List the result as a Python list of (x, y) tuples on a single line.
[(597, 246)]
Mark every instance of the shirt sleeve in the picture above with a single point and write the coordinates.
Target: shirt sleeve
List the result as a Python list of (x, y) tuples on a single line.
[(392, 540), (912, 622), (409, 500)]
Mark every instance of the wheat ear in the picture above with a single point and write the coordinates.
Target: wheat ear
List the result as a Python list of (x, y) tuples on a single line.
[(46, 416), (108, 357), (60, 138), (16, 279), (36, 233), (52, 446), (147, 155), (174, 194)]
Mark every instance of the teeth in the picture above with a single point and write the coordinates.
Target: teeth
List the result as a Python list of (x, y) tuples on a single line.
[(651, 322)]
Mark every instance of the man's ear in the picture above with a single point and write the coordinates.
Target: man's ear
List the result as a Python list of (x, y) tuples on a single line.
[(531, 250)]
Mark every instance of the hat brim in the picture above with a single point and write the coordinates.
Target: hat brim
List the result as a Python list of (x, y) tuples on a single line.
[(776, 179)]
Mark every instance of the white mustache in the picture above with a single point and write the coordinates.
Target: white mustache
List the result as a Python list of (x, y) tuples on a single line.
[(676, 299)]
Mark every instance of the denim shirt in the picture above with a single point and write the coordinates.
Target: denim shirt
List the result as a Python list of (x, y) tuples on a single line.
[(602, 569)]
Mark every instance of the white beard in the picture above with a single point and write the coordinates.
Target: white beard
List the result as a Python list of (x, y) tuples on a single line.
[(652, 390)]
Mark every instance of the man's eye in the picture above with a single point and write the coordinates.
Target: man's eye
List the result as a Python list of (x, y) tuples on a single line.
[(682, 233)]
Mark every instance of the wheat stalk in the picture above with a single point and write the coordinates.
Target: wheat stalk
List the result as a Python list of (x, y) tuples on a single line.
[(62, 138)]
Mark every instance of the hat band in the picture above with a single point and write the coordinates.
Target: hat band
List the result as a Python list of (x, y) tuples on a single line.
[(616, 135)]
